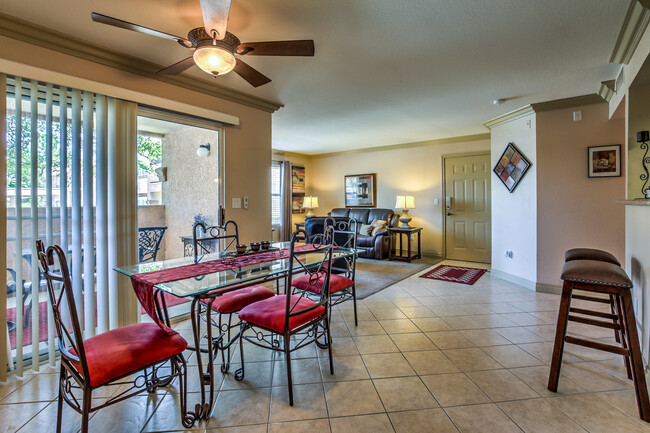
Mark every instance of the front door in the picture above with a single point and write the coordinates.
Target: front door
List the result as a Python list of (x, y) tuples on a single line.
[(467, 208)]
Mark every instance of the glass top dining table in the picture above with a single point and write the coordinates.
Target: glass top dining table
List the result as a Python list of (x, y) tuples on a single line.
[(198, 285)]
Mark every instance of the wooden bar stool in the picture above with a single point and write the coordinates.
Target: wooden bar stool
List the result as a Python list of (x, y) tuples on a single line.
[(607, 278), (601, 256)]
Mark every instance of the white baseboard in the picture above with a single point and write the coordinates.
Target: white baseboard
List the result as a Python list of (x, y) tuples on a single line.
[(523, 282), (549, 288), (527, 284)]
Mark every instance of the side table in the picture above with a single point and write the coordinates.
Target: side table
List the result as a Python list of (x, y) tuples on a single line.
[(408, 232)]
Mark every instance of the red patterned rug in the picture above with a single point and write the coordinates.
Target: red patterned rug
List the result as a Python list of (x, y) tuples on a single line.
[(454, 274)]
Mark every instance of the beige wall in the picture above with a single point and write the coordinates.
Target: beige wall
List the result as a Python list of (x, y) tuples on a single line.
[(191, 186), (514, 215), (414, 170), (574, 210)]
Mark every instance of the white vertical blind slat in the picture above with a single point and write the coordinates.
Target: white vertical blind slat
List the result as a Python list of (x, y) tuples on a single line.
[(88, 226), (111, 161), (19, 227), (49, 217), (77, 284), (102, 215), (33, 134), (63, 167)]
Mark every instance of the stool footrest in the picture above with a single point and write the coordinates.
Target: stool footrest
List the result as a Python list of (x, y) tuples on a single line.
[(593, 313), (591, 299), (596, 345), (593, 322)]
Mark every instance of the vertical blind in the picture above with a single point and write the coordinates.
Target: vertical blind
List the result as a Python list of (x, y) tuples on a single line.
[(59, 191)]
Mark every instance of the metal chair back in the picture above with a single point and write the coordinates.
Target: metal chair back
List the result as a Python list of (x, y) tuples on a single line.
[(345, 236), (226, 237), (319, 275), (54, 268), (149, 243)]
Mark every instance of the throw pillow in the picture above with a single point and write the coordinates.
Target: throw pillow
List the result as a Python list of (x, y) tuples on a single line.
[(365, 230), (378, 225)]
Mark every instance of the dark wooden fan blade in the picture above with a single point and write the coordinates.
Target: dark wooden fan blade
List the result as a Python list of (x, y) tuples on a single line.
[(104, 19), (254, 77), (277, 48), (177, 68)]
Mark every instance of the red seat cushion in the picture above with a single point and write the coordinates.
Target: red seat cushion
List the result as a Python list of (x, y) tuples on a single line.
[(337, 282), (238, 299), (124, 350), (270, 313)]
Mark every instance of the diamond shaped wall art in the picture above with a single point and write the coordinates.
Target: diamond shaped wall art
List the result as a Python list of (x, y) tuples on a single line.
[(512, 167)]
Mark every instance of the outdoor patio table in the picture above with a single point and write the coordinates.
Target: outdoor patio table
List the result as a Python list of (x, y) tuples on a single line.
[(255, 269)]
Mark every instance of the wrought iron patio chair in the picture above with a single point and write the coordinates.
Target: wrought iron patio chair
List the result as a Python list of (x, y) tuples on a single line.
[(110, 358), (230, 302), (288, 322), (149, 243)]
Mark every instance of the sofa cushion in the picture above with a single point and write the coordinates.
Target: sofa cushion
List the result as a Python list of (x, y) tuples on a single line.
[(340, 212), (377, 225), (365, 241), (360, 215), (365, 230)]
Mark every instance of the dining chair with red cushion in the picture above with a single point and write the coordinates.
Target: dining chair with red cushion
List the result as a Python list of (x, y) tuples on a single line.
[(109, 359), (288, 322), (223, 238), (342, 285)]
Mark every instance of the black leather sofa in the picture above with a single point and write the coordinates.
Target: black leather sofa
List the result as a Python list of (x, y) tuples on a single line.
[(374, 247)]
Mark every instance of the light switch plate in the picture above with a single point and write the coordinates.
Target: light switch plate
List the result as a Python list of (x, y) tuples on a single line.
[(436, 201), (236, 203)]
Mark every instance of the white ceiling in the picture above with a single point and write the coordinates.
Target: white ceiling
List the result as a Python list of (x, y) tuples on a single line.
[(385, 71)]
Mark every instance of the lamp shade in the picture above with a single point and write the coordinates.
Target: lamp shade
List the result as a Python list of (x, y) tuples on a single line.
[(310, 202), (405, 202)]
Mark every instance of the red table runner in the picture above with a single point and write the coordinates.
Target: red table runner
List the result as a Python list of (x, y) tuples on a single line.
[(143, 283)]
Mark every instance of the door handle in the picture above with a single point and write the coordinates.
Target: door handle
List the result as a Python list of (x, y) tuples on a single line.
[(449, 213)]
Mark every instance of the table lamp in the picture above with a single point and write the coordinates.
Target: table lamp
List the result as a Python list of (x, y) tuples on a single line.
[(405, 202), (310, 203)]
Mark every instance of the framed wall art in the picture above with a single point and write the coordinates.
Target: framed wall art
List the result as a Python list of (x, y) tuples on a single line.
[(604, 161), (512, 167), (361, 190)]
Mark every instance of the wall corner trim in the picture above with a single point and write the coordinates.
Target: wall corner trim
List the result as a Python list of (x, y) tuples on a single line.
[(523, 282), (24, 31), (637, 18), (510, 116)]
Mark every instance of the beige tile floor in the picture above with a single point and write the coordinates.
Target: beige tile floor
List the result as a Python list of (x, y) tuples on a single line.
[(427, 356)]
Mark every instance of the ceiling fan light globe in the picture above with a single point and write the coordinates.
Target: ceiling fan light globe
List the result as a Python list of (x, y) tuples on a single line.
[(214, 59)]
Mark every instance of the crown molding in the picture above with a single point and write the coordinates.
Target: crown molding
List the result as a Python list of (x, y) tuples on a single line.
[(575, 101), (635, 23), (44, 37), (288, 154), (556, 104), (510, 116), (450, 140)]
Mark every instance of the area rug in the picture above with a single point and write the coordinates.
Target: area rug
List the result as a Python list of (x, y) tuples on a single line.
[(455, 274), (375, 275)]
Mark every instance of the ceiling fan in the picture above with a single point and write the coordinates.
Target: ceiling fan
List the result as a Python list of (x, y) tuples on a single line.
[(214, 47)]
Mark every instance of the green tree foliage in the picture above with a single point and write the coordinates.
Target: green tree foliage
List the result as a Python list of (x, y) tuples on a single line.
[(149, 153)]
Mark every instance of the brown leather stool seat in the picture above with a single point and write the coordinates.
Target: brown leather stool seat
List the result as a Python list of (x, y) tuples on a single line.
[(596, 277), (590, 254)]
